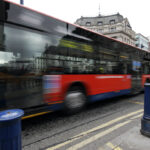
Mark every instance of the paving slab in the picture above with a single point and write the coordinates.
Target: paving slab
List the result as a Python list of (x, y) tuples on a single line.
[(130, 140)]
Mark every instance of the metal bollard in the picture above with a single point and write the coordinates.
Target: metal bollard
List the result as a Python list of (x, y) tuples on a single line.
[(10, 129), (145, 121)]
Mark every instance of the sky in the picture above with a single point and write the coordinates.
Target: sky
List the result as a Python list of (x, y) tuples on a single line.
[(137, 11)]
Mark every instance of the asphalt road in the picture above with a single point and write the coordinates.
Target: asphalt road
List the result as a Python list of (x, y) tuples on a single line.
[(92, 129)]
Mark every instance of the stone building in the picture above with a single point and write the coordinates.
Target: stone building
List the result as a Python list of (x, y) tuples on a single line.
[(142, 42), (114, 26), (148, 43)]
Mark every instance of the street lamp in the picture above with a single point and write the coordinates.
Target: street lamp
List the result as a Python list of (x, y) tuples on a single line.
[(21, 2)]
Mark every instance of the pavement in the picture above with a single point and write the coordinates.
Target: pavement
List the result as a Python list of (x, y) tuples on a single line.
[(130, 140)]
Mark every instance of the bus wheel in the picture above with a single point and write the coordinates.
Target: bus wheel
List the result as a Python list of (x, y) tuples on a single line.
[(75, 101)]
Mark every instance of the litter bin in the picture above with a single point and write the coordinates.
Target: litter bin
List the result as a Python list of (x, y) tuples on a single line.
[(145, 121), (10, 129)]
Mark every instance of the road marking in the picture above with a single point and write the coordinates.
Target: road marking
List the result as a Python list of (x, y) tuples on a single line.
[(97, 136), (135, 117), (94, 129), (34, 115), (113, 146), (136, 102), (108, 123)]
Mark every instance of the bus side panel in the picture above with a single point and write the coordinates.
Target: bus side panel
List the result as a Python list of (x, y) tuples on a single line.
[(144, 77), (112, 85), (98, 84), (109, 83)]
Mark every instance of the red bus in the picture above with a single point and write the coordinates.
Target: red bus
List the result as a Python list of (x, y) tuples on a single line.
[(48, 64)]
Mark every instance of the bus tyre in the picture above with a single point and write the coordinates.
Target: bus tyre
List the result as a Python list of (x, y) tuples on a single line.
[(75, 101)]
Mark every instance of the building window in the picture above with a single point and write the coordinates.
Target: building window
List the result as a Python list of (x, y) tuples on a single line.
[(94, 29), (88, 23), (128, 26), (114, 37), (112, 21), (125, 39), (99, 23), (100, 30), (121, 38), (112, 29), (142, 46)]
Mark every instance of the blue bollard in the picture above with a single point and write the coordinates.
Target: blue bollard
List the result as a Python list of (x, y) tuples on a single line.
[(145, 121), (10, 129)]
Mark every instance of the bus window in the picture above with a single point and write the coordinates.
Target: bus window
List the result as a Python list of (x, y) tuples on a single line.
[(146, 68)]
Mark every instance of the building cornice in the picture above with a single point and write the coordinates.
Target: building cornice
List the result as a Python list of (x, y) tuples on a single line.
[(120, 31)]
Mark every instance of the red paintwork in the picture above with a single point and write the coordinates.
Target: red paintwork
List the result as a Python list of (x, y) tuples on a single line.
[(94, 84), (144, 77)]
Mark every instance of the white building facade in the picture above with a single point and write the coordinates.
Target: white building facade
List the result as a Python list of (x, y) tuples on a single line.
[(114, 26), (142, 42)]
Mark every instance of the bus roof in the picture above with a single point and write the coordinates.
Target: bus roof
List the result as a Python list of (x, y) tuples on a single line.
[(115, 40)]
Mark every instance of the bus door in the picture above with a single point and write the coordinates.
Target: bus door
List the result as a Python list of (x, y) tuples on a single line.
[(136, 76)]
